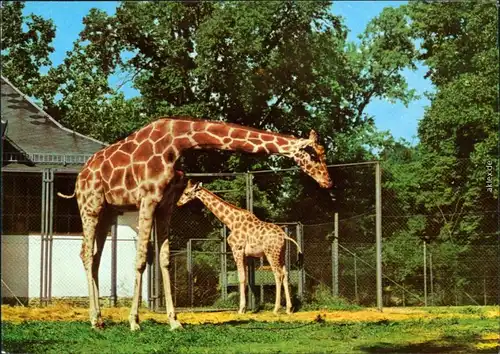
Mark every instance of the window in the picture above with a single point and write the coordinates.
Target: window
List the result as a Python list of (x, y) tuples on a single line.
[(22, 203), (66, 213)]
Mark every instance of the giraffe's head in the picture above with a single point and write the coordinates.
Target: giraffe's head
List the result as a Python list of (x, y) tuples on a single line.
[(189, 193), (310, 156)]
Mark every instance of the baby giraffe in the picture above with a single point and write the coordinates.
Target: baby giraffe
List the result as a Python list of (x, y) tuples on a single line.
[(250, 237)]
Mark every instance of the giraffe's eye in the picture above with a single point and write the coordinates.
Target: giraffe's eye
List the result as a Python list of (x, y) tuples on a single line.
[(310, 150)]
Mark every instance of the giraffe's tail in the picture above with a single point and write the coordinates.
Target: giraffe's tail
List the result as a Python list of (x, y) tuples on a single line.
[(66, 196), (300, 254), (300, 260)]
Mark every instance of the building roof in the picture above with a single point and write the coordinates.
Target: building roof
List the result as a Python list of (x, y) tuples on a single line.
[(38, 136)]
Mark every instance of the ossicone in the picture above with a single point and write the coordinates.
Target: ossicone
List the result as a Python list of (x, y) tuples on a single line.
[(313, 136)]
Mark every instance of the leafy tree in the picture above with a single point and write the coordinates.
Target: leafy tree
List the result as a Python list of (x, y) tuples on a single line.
[(25, 51), (437, 191), (459, 131)]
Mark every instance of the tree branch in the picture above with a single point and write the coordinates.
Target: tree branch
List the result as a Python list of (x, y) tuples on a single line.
[(275, 104)]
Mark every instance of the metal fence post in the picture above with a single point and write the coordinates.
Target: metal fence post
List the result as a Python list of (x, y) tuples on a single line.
[(251, 261), (150, 285), (157, 272), (46, 236), (287, 248), (485, 297), (356, 278), (300, 241), (190, 272), (223, 263), (43, 232), (431, 278), (335, 257), (114, 246), (378, 232), (50, 235), (425, 272), (151, 277)]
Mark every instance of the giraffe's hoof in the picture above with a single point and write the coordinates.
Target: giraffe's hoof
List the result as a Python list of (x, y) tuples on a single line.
[(276, 312), (241, 312), (175, 325), (289, 312), (97, 324), (134, 326)]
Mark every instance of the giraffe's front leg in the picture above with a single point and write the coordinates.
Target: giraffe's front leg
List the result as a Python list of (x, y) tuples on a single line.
[(146, 212), (165, 265), (241, 265)]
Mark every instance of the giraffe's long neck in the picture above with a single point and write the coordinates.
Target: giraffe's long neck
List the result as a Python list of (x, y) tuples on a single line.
[(225, 212), (200, 134)]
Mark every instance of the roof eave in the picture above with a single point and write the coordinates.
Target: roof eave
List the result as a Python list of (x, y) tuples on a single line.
[(46, 115)]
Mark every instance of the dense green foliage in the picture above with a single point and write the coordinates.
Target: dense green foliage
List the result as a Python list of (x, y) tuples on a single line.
[(443, 182), (416, 336)]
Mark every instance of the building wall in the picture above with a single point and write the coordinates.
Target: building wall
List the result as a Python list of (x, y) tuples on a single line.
[(21, 264)]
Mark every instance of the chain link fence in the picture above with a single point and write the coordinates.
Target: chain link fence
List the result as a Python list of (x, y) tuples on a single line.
[(41, 242)]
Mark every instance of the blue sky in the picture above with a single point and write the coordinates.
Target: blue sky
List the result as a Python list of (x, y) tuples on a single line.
[(401, 121)]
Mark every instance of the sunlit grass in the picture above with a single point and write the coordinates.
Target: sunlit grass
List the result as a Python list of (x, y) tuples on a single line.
[(62, 328)]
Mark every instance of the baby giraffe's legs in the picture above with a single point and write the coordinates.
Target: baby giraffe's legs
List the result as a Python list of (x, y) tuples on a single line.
[(287, 290), (278, 277), (241, 264), (277, 267)]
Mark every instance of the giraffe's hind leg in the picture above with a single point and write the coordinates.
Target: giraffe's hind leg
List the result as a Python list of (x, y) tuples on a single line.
[(146, 213), (106, 219), (91, 252), (277, 262), (163, 216), (287, 290)]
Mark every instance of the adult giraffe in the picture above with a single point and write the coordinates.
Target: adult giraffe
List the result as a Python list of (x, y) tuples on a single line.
[(138, 170)]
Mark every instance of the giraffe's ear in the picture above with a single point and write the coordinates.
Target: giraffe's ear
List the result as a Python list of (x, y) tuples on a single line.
[(313, 136)]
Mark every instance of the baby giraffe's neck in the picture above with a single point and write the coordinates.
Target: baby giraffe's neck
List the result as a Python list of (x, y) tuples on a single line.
[(224, 211)]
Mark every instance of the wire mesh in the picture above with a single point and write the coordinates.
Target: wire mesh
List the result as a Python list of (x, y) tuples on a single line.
[(441, 245), (445, 255)]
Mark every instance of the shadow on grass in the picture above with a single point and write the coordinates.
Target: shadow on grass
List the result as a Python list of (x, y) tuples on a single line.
[(445, 344), (32, 346)]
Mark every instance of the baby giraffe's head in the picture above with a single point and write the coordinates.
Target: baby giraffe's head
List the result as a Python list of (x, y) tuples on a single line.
[(189, 192)]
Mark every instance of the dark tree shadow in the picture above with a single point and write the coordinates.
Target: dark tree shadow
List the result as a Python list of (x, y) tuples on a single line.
[(445, 344)]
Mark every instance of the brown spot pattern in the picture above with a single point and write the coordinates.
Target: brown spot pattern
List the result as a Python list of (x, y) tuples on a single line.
[(154, 167), (110, 150), (143, 152), (143, 134), (129, 179), (162, 144), (128, 147), (238, 134), (182, 143), (106, 170), (120, 159), (219, 130), (206, 140), (180, 128), (139, 170), (156, 135)]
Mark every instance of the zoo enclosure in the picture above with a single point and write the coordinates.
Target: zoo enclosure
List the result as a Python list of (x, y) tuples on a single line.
[(338, 239)]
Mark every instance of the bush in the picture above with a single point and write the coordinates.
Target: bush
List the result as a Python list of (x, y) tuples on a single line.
[(322, 299), (232, 301)]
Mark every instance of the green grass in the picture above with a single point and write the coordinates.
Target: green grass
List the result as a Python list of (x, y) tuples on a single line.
[(450, 335)]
